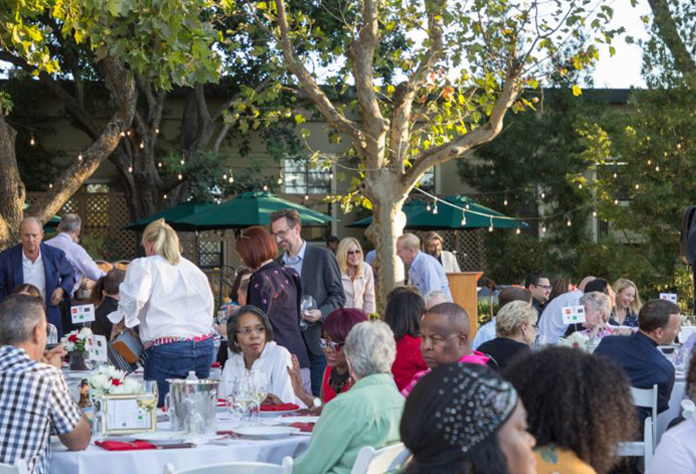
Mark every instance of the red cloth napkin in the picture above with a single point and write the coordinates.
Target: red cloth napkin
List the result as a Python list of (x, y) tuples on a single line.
[(222, 402), (304, 427), (121, 446), (281, 407)]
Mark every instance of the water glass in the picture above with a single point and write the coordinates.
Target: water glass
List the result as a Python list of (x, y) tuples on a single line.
[(307, 305)]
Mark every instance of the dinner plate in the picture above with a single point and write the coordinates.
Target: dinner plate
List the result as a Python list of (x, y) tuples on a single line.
[(267, 432), (289, 420), (271, 414), (160, 436)]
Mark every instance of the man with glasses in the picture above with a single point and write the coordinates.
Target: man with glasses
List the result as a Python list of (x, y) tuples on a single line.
[(540, 287), (445, 340), (321, 279)]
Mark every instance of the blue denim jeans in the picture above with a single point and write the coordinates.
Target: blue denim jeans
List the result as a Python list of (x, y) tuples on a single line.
[(175, 360)]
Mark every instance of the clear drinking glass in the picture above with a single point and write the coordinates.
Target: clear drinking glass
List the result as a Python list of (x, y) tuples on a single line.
[(150, 389), (307, 305), (244, 397)]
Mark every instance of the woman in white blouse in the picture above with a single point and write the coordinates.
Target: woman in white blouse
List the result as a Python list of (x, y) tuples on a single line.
[(170, 299), (250, 339), (356, 275)]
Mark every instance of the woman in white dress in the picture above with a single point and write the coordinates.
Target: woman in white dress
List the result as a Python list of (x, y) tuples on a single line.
[(250, 339)]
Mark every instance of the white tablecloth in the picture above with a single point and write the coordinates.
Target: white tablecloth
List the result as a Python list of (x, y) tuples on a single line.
[(674, 410), (100, 461)]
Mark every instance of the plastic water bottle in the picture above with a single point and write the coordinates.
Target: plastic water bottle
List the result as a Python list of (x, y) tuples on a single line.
[(192, 375)]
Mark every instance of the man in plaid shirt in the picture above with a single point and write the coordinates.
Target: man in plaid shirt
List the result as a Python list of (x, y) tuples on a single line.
[(34, 399)]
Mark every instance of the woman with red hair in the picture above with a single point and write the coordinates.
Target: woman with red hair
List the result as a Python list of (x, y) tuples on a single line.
[(275, 290)]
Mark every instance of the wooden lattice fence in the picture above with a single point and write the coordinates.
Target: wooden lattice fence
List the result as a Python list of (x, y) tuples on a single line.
[(467, 245)]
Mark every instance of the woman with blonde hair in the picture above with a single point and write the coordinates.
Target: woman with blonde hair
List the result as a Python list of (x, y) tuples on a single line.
[(627, 303), (170, 299), (515, 326), (356, 275)]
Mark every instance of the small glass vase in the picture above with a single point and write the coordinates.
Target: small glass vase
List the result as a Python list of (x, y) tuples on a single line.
[(77, 361)]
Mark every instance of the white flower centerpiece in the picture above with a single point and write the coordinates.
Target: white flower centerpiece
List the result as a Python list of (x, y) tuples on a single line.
[(577, 340), (75, 344), (108, 380)]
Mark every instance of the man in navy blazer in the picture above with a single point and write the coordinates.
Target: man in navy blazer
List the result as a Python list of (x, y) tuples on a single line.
[(39, 264), (658, 324), (321, 279)]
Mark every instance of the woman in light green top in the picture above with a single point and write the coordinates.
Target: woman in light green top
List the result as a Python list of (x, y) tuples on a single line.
[(366, 415)]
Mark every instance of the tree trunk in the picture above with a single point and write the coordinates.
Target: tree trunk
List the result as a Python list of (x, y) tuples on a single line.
[(387, 196), (12, 191)]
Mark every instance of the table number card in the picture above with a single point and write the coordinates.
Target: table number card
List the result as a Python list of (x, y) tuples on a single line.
[(97, 348), (83, 313), (127, 414), (573, 314), (669, 297)]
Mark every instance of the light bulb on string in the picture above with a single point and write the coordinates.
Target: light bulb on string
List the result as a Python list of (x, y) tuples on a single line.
[(32, 142), (490, 227), (594, 213), (616, 174), (463, 219), (330, 175), (79, 157), (543, 195), (306, 197), (130, 169), (265, 187), (569, 223), (156, 131), (657, 168), (231, 179), (579, 185), (518, 231), (543, 229), (435, 209), (616, 202), (467, 207), (181, 176), (649, 162), (165, 196), (123, 134), (50, 185), (427, 207), (128, 133), (224, 176), (637, 186), (159, 164), (142, 145), (505, 202), (678, 146), (182, 162), (280, 180)]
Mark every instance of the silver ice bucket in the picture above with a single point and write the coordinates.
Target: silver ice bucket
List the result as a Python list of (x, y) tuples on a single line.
[(191, 405)]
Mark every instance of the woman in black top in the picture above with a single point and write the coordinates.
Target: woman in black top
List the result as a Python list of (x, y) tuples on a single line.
[(105, 300), (515, 327), (274, 289)]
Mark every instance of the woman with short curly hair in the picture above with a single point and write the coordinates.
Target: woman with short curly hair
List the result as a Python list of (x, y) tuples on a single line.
[(566, 394)]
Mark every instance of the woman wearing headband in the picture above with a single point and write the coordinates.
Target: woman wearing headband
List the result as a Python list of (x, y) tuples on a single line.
[(464, 419)]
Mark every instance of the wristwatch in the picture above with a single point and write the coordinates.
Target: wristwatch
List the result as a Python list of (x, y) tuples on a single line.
[(316, 403)]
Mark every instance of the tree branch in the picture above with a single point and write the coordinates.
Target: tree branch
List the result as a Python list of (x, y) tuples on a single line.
[(311, 88), (669, 34), (457, 147)]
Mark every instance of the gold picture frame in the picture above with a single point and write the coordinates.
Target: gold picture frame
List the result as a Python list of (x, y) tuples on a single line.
[(121, 414)]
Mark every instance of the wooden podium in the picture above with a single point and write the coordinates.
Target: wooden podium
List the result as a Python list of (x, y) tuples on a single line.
[(463, 289)]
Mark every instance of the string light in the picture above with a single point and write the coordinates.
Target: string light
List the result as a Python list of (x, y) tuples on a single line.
[(505, 202), (637, 186), (128, 133), (181, 176), (123, 134), (156, 131), (130, 169), (50, 185), (280, 180), (467, 206), (165, 196), (649, 162), (427, 207), (306, 197), (657, 168), (142, 145), (79, 157), (330, 175), (231, 179), (569, 223), (32, 142), (490, 227), (678, 146), (579, 185), (182, 162), (159, 164), (616, 175), (224, 176), (518, 231), (463, 218), (543, 229), (543, 195), (265, 187), (594, 213), (435, 208), (616, 202)]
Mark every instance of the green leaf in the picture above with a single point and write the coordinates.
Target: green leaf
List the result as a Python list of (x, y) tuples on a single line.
[(576, 90)]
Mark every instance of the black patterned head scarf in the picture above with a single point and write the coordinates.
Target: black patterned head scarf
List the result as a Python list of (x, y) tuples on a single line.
[(453, 410)]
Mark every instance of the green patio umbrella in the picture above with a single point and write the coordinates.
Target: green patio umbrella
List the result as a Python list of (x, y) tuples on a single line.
[(172, 216), (418, 217), (251, 208)]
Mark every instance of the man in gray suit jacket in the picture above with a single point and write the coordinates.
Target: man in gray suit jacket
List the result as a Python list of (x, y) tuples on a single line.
[(321, 279)]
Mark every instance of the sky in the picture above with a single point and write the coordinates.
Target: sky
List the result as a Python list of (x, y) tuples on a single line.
[(623, 70)]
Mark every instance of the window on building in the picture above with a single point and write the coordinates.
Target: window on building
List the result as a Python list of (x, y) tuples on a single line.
[(301, 179)]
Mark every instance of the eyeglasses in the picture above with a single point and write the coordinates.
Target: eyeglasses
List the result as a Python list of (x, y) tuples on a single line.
[(248, 331), (281, 233), (354, 252), (334, 346), (545, 287)]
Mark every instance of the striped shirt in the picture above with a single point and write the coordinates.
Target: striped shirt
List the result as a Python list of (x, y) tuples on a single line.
[(34, 401)]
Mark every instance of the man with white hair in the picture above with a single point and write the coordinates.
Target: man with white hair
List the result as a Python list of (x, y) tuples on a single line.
[(424, 271), (67, 241), (38, 264)]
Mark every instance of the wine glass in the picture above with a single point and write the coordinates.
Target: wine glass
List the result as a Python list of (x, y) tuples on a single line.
[(307, 305), (244, 396), (149, 401)]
